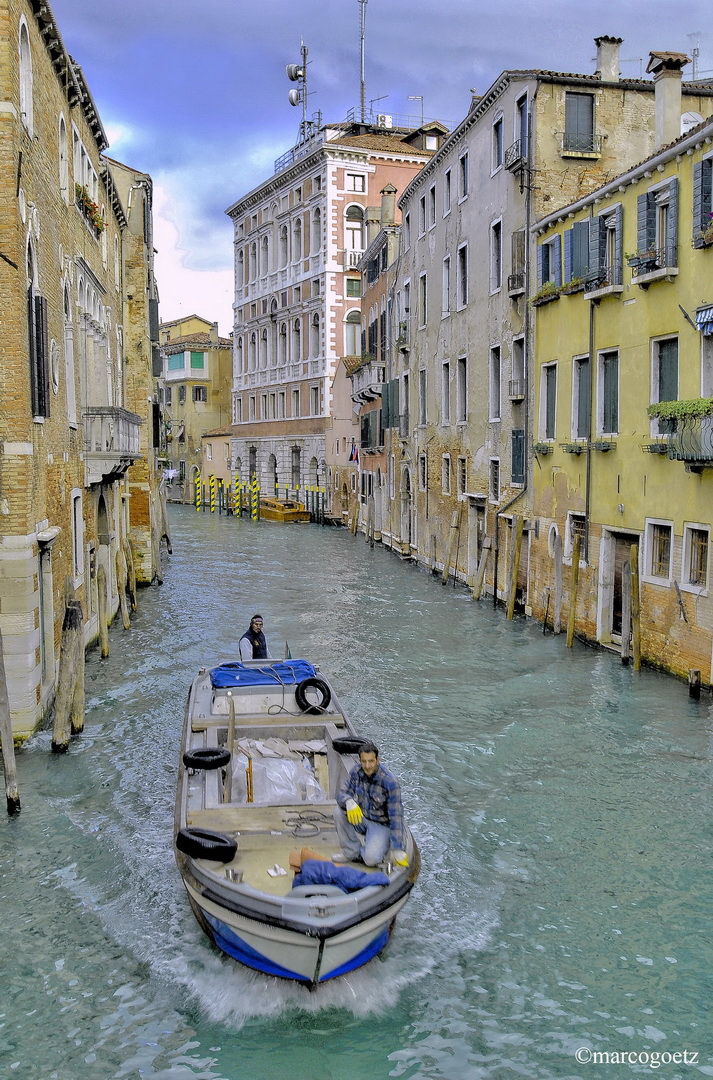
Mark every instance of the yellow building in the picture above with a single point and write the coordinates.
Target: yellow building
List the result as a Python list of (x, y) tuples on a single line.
[(195, 388), (624, 323)]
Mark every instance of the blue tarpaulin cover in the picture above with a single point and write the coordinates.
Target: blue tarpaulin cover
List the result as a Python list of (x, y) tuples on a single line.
[(281, 672), (346, 878)]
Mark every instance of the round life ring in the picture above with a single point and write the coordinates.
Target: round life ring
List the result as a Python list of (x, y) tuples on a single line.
[(206, 844), (206, 757), (304, 703)]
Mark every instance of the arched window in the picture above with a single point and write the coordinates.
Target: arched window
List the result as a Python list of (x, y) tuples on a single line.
[(253, 351), (352, 334), (26, 112), (284, 246), (240, 360), (296, 341), (282, 344), (117, 265), (103, 236), (297, 239), (265, 260), (240, 269), (68, 337), (253, 262), (314, 336), (63, 160), (316, 237), (263, 348), (355, 229)]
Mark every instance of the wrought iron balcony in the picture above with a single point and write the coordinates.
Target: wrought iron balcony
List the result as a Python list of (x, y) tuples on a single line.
[(516, 389), (111, 442), (581, 142), (692, 441), (516, 283), (515, 155)]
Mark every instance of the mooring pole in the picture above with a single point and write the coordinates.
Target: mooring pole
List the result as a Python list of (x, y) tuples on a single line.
[(12, 794), (573, 582)]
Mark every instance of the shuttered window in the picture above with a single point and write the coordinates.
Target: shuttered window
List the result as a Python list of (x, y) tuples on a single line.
[(702, 199), (579, 123), (609, 393), (549, 261), (657, 224), (38, 353), (550, 403), (517, 468), (576, 251), (582, 397)]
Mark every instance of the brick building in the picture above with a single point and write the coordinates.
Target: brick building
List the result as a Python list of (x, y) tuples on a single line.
[(75, 361)]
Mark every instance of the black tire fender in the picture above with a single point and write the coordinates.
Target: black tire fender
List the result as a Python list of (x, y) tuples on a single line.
[(303, 701), (206, 757), (348, 744), (206, 844)]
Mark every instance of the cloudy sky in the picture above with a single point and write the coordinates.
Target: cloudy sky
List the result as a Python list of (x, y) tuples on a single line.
[(194, 92)]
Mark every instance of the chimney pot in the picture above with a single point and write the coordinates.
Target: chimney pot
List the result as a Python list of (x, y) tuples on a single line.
[(608, 58), (666, 70)]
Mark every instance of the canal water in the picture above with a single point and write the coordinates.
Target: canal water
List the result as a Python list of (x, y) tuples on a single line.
[(561, 802)]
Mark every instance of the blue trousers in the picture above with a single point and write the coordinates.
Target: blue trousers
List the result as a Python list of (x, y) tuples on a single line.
[(368, 841)]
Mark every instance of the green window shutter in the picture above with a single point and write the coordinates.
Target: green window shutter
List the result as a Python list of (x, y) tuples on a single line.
[(617, 268), (557, 259), (645, 221), (550, 401), (583, 398), (385, 403), (671, 238), (610, 391), (668, 370), (517, 465), (540, 265), (568, 249), (176, 361), (698, 223), (595, 249), (197, 360)]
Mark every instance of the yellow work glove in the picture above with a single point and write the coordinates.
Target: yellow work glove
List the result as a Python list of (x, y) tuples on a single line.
[(354, 812), (400, 857)]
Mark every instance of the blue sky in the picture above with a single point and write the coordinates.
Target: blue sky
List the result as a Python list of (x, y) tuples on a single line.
[(194, 92)]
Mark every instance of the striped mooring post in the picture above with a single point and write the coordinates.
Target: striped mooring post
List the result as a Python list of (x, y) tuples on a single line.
[(236, 498), (254, 500), (198, 495), (211, 488)]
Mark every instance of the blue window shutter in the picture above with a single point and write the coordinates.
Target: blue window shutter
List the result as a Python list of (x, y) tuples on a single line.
[(517, 469), (698, 224), (617, 276), (557, 255), (580, 248), (672, 225), (568, 245), (594, 248), (645, 221), (540, 282)]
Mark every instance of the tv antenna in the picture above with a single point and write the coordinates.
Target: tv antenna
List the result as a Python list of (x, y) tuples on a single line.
[(695, 52), (298, 73), (362, 6)]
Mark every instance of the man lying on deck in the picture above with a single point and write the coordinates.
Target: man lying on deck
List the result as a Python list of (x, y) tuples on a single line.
[(369, 815)]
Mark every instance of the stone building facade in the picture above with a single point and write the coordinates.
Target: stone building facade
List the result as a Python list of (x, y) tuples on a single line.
[(71, 423)]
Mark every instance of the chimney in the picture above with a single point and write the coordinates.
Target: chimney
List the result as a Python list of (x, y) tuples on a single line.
[(373, 223), (213, 333), (608, 58), (666, 70), (388, 205)]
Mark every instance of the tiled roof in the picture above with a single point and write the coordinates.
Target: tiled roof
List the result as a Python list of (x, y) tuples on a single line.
[(371, 141), (199, 338)]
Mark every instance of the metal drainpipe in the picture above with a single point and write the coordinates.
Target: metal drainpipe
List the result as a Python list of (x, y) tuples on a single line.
[(588, 472)]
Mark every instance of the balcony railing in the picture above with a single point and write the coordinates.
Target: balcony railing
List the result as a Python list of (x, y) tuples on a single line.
[(112, 442), (647, 262), (516, 283), (515, 155), (581, 142), (516, 389), (692, 441), (604, 276), (353, 258)]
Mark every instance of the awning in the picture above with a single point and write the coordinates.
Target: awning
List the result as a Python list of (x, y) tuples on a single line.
[(704, 320)]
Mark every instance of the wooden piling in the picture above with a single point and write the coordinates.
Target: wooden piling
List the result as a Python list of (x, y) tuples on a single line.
[(452, 539), (573, 582), (229, 745), (480, 576), (131, 571), (557, 613), (626, 612), (69, 662), (694, 683), (103, 613), (121, 588), (515, 563), (76, 713), (12, 794), (635, 607)]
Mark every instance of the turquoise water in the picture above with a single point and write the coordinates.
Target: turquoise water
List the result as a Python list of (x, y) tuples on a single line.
[(561, 802)]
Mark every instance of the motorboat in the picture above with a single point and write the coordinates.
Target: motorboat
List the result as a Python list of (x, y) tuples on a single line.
[(265, 747), (287, 511)]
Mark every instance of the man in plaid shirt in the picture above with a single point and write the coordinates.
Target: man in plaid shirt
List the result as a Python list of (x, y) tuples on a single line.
[(369, 816)]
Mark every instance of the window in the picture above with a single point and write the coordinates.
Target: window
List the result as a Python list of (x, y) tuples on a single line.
[(579, 124), (446, 393), (182, 394), (314, 400), (354, 224), (200, 393), (422, 300), (496, 256), (517, 382), (355, 182), (549, 263), (63, 160), (516, 280), (169, 395), (422, 396), (297, 239), (494, 397), (446, 474), (461, 390), (77, 535), (605, 248), (38, 343), (314, 336), (517, 456), (659, 536), (608, 393), (664, 379), (352, 334), (354, 287), (422, 215), (284, 246), (581, 397), (521, 124), (69, 370), (197, 360), (176, 361), (281, 405), (576, 251), (407, 232), (295, 403), (209, 451), (576, 525), (446, 288), (494, 480), (447, 192), (657, 227), (695, 557), (702, 199), (497, 144), (463, 177), (462, 276), (26, 108), (251, 407), (296, 470), (237, 409), (462, 475), (432, 207), (548, 409)]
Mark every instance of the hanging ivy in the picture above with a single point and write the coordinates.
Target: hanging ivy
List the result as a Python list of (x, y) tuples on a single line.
[(680, 410)]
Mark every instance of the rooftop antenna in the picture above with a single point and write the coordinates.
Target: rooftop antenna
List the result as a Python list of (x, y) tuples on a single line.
[(417, 97), (362, 5), (298, 73), (695, 52)]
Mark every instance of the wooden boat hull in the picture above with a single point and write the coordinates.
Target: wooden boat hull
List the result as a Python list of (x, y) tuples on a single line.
[(286, 512), (232, 832)]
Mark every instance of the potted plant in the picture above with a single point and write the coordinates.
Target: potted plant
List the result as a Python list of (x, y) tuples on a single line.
[(549, 291), (89, 208)]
